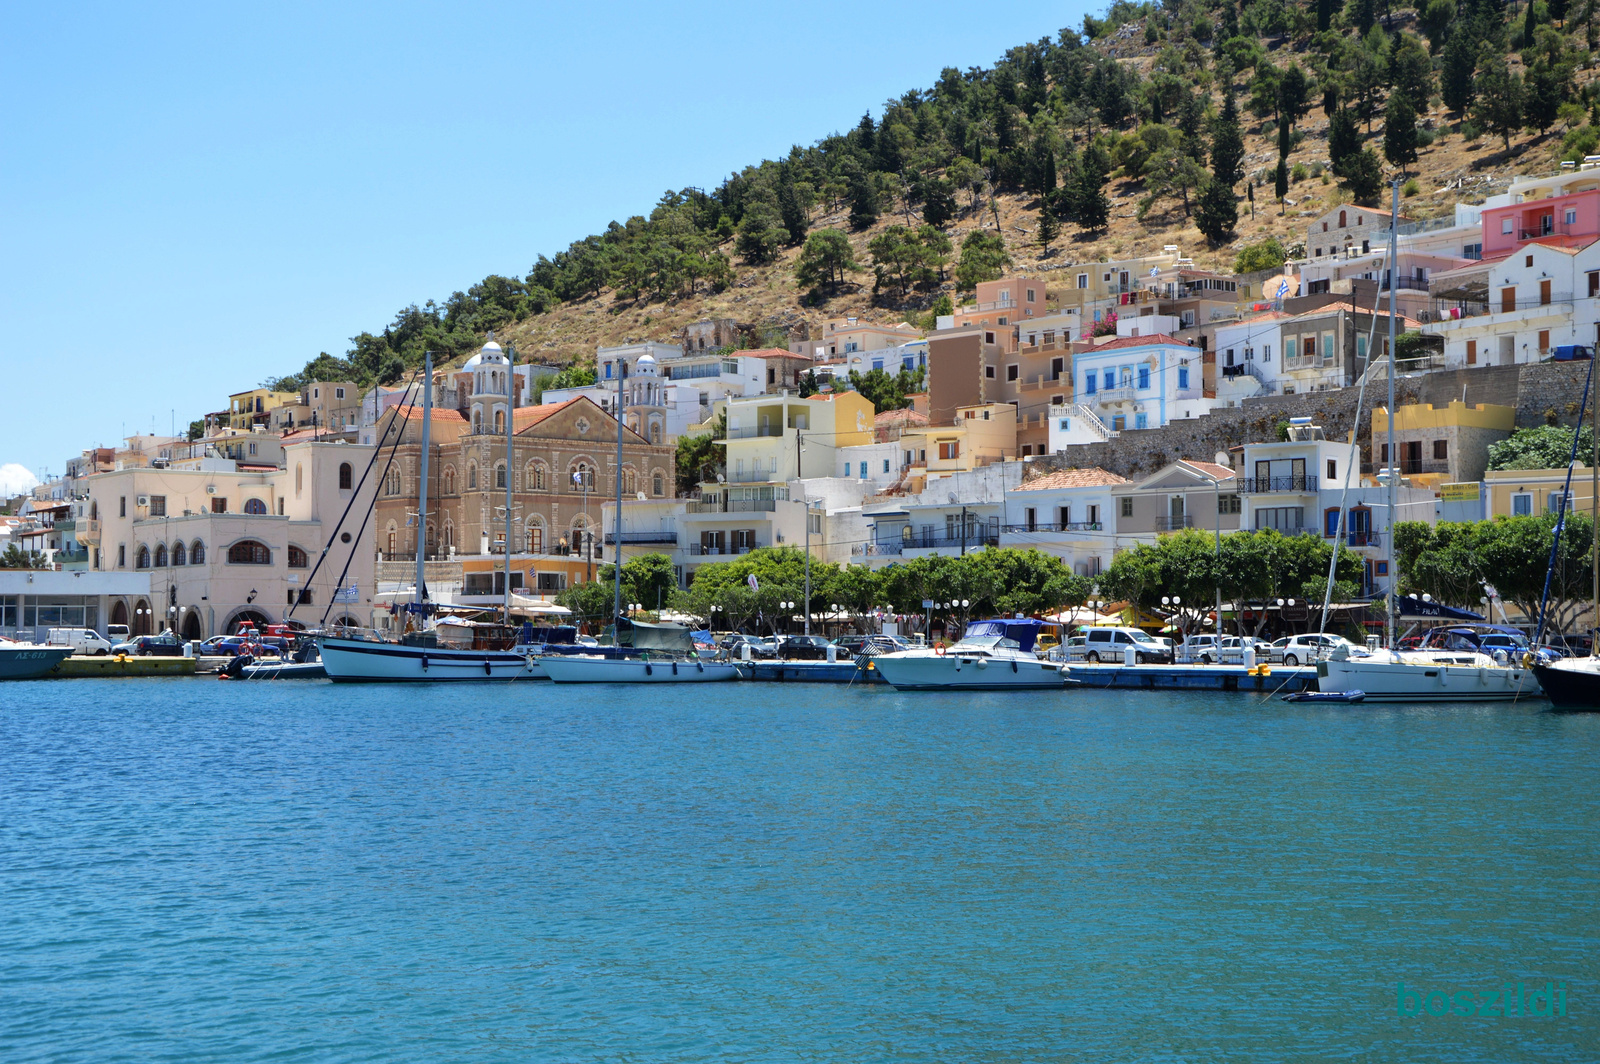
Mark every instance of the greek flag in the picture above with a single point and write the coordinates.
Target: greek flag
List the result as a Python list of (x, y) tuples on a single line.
[(347, 594)]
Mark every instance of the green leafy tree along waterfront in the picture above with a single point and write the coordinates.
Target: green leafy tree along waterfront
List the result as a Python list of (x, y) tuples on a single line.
[(1453, 560)]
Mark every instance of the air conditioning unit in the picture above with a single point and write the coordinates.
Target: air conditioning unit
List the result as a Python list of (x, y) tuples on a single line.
[(141, 500), (211, 489)]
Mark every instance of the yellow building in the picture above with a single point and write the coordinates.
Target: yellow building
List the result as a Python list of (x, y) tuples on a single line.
[(248, 409), (1437, 445), (1536, 491), (977, 436)]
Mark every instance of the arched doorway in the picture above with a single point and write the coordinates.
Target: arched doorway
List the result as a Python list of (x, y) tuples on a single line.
[(119, 613), (191, 625), (239, 617), (142, 620)]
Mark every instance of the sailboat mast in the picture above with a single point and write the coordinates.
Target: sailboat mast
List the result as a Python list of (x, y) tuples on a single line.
[(511, 407), (422, 471), (616, 556), (1594, 520), (1390, 600)]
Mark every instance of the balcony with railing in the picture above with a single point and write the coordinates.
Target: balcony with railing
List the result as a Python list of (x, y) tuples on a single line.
[(752, 476), (877, 550), (88, 531), (1411, 467), (755, 432), (1054, 526), (1297, 484), (705, 550), (731, 506), (1173, 522), (984, 537), (659, 535)]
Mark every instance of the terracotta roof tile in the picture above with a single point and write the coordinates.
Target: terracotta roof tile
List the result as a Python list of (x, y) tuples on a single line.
[(1092, 477), (1154, 340), (1218, 471)]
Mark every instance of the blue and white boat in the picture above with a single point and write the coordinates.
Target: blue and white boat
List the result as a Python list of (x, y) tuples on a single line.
[(28, 661), (991, 655)]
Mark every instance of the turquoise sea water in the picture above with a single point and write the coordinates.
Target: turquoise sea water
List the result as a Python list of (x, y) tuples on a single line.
[(202, 871)]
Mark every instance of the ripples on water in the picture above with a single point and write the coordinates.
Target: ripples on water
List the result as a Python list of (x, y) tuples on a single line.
[(197, 871)]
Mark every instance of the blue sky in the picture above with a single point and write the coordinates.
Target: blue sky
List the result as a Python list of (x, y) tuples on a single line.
[(201, 196)]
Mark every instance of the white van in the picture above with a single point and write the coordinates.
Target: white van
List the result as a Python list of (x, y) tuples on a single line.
[(81, 640), (1110, 644)]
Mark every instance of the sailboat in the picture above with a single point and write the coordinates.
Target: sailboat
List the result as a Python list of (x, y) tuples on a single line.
[(421, 654), (1394, 675), (1574, 683)]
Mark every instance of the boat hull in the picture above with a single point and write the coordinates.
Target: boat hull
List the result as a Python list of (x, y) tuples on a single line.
[(573, 668), (30, 662), (1570, 688), (1406, 681), (358, 661), (954, 673), (287, 670)]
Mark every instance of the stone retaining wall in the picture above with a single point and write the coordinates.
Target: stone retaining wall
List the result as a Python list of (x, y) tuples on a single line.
[(1538, 391)]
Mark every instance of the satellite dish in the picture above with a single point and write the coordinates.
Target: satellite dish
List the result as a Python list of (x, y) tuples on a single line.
[(721, 479), (640, 495), (1221, 458)]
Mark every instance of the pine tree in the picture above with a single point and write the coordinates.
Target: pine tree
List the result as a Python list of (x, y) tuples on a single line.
[(1400, 132), (1344, 136), (1411, 71), (1091, 207), (1455, 71), (1501, 100), (1362, 175), (1049, 228), (1294, 94), (938, 202), (1227, 143), (1216, 214), (862, 196)]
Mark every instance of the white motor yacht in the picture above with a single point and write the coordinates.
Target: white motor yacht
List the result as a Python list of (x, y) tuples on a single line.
[(991, 655), (1427, 676)]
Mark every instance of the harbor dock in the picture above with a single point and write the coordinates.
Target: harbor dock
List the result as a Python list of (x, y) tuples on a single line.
[(845, 671), (105, 665), (1196, 677)]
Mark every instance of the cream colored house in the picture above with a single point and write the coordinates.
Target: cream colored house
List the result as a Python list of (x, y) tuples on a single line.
[(221, 544)]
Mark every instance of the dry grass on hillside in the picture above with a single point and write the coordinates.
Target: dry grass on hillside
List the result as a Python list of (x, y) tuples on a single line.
[(1449, 170)]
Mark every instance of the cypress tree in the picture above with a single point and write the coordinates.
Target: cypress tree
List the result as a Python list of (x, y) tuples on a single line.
[(1216, 214), (1344, 136), (1455, 71), (1227, 143)]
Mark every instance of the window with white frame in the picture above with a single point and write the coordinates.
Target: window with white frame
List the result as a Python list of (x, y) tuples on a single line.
[(1522, 504)]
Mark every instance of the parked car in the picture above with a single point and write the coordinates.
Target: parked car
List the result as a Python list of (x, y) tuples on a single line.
[(1110, 644), (1298, 649), (118, 633), (803, 648), (81, 640), (1224, 650), (1073, 649), (164, 645), (759, 648), (853, 645)]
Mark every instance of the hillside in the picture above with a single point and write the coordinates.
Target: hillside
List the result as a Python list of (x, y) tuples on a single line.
[(984, 137)]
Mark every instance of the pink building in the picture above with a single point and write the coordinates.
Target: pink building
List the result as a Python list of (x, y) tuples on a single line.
[(1562, 221)]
